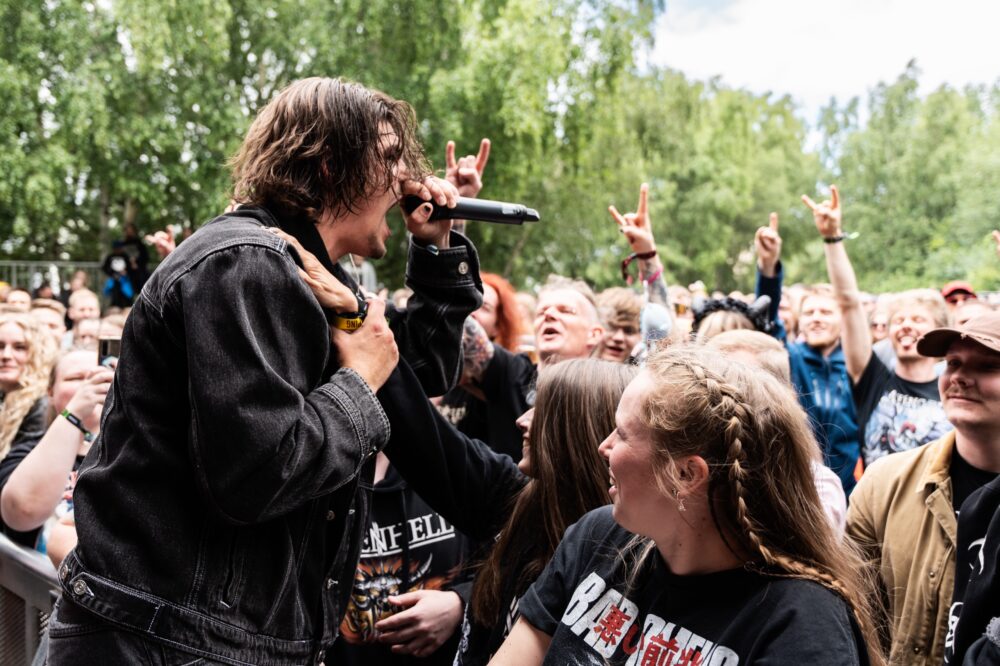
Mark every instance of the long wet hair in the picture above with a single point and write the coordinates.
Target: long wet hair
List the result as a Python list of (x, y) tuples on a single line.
[(759, 447), (315, 148), (34, 380), (574, 412)]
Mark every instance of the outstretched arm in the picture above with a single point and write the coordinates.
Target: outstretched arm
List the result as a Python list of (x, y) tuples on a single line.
[(638, 230), (524, 645), (855, 336), (767, 242)]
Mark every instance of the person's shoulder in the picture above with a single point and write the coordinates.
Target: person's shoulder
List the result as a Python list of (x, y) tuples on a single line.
[(221, 246), (246, 226), (875, 369), (39, 410), (810, 596), (599, 526), (895, 474), (805, 592), (904, 463)]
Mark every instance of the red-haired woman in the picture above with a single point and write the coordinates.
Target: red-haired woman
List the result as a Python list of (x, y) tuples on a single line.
[(499, 315)]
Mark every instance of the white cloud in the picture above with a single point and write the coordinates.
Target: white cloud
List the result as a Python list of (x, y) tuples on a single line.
[(813, 50)]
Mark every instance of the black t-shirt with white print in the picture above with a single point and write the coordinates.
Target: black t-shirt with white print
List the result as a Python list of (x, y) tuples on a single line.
[(976, 597), (720, 619), (895, 414)]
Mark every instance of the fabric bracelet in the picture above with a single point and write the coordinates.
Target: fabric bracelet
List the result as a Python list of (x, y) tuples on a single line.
[(72, 418), (654, 277), (632, 257)]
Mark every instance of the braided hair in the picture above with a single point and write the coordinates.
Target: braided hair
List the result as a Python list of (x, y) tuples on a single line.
[(756, 439)]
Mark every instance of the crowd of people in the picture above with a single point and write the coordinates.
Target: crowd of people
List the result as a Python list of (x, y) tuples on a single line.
[(290, 469)]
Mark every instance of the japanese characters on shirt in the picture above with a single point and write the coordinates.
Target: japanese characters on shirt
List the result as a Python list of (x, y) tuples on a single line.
[(608, 621)]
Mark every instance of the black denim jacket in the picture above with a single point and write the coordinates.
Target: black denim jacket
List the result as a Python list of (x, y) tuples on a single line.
[(222, 508)]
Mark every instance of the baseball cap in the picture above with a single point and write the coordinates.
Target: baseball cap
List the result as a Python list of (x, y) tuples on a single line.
[(984, 329), (957, 286)]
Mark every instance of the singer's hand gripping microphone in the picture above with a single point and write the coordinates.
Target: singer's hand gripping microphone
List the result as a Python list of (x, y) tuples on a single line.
[(476, 209)]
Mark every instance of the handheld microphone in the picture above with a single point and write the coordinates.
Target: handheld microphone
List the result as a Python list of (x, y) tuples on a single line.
[(475, 209)]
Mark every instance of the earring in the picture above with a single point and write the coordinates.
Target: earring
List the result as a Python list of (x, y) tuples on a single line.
[(679, 500)]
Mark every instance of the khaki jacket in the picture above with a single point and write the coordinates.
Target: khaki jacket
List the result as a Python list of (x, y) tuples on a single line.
[(901, 513)]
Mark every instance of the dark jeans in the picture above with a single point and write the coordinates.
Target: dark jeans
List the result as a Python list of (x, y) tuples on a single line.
[(82, 639)]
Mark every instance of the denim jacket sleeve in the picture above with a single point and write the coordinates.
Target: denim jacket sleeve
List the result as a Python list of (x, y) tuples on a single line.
[(267, 432), (461, 478), (446, 290)]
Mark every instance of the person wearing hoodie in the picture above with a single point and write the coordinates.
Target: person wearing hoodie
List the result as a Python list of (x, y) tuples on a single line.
[(819, 371)]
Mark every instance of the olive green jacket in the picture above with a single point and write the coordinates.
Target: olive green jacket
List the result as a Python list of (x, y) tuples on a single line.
[(901, 514)]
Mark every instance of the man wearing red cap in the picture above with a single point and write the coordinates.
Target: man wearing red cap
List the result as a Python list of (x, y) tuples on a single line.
[(957, 292), (905, 508)]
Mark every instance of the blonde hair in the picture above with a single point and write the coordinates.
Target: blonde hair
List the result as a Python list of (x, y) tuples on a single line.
[(34, 380), (821, 290), (48, 304), (81, 294), (756, 439), (721, 321), (618, 306), (770, 354), (924, 298)]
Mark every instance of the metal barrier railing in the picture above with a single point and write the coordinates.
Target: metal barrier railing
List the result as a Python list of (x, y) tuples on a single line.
[(30, 274), (28, 590)]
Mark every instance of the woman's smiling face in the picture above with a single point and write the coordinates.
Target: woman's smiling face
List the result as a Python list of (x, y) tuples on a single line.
[(13, 355), (638, 503)]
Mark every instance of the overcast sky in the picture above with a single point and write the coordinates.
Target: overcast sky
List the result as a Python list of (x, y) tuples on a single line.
[(814, 50)]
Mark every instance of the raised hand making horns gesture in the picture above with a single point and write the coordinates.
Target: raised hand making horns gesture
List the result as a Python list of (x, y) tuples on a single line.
[(827, 215), (466, 173), (636, 226)]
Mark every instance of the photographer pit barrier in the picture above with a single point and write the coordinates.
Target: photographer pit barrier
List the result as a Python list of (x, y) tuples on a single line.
[(28, 590)]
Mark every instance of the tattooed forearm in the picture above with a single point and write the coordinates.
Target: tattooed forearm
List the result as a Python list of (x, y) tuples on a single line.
[(477, 351)]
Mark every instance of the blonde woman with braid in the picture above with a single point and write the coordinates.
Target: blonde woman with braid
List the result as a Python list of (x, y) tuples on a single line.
[(25, 359), (715, 551)]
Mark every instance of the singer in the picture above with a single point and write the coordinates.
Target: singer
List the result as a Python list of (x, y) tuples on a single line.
[(221, 511)]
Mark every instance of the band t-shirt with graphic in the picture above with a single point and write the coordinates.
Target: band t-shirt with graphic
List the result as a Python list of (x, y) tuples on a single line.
[(408, 547), (722, 619), (895, 414)]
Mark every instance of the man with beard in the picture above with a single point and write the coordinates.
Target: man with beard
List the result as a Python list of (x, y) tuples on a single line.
[(898, 409), (817, 364), (928, 516)]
